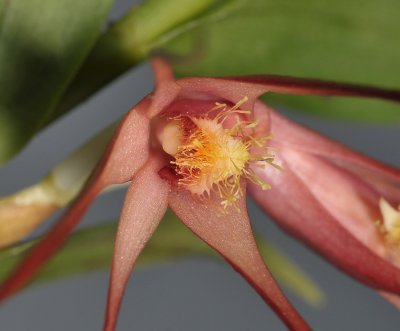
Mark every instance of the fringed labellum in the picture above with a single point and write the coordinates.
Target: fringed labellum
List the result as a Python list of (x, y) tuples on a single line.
[(214, 151)]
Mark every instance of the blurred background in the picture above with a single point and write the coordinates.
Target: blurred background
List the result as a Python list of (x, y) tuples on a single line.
[(194, 293)]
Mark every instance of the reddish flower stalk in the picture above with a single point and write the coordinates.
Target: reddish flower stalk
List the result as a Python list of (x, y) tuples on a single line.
[(196, 144)]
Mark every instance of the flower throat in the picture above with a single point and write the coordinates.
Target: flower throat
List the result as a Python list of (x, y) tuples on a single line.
[(211, 158)]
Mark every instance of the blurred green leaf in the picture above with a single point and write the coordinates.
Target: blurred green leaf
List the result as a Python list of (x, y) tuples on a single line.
[(91, 250), (346, 40), (42, 44), (131, 40), (45, 42)]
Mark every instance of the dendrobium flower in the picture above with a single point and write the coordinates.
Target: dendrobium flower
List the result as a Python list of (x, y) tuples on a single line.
[(197, 144)]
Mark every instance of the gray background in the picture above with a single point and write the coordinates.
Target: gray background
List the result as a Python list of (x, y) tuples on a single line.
[(195, 294)]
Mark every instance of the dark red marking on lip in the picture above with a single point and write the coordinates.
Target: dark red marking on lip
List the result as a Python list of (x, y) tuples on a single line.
[(168, 173)]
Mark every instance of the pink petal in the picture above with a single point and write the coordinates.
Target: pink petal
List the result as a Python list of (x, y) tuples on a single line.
[(352, 202), (307, 86), (231, 235), (350, 173), (288, 133), (128, 149), (166, 88), (294, 202), (235, 88), (126, 153), (162, 70), (392, 298), (145, 205), (227, 89)]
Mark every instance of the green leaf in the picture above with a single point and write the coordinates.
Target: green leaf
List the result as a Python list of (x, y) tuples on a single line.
[(91, 250), (42, 44), (129, 41), (346, 40)]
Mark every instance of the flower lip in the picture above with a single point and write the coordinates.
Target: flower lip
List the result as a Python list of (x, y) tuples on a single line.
[(212, 150)]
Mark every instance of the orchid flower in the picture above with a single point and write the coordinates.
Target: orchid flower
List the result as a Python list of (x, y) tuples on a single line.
[(197, 144)]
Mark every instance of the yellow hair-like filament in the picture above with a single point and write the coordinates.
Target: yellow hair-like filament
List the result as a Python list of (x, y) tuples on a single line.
[(211, 158)]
